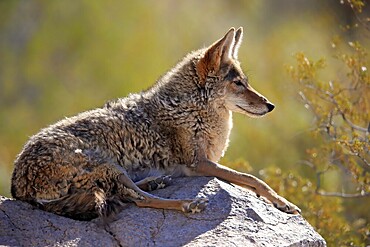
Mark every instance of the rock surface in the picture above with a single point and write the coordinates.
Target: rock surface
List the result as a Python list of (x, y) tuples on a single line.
[(234, 217)]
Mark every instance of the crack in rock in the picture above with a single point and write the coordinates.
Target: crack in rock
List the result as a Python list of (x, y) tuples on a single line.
[(110, 232), (155, 233), (11, 221)]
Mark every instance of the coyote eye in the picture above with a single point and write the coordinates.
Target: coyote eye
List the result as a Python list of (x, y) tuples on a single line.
[(239, 83)]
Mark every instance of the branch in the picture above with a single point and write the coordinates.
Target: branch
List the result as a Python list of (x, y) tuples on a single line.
[(332, 100), (320, 192), (307, 163), (361, 21), (342, 195), (363, 159), (343, 115), (352, 125)]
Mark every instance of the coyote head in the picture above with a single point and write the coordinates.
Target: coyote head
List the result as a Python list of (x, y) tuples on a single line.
[(219, 67)]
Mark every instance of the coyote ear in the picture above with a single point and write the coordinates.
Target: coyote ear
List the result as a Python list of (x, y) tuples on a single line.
[(238, 41), (215, 55)]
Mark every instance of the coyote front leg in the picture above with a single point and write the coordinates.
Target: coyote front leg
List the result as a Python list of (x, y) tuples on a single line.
[(209, 168)]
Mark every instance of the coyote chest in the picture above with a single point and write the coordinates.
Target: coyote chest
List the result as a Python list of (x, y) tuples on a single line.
[(218, 138)]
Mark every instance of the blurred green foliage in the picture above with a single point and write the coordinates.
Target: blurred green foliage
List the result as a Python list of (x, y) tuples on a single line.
[(58, 58), (341, 122)]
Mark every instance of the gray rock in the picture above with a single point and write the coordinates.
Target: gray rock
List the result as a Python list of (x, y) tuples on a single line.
[(234, 217)]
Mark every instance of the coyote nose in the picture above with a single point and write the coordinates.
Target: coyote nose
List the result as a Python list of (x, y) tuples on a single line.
[(270, 106)]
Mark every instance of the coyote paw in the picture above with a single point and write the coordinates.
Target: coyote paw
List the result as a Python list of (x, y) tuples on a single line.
[(284, 205), (195, 206), (159, 183)]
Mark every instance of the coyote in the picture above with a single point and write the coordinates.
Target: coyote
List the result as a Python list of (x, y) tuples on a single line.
[(88, 165)]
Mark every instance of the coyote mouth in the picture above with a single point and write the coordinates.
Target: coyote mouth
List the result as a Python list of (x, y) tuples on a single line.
[(252, 113)]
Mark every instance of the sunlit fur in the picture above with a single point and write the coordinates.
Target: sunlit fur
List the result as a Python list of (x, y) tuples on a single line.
[(71, 167)]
